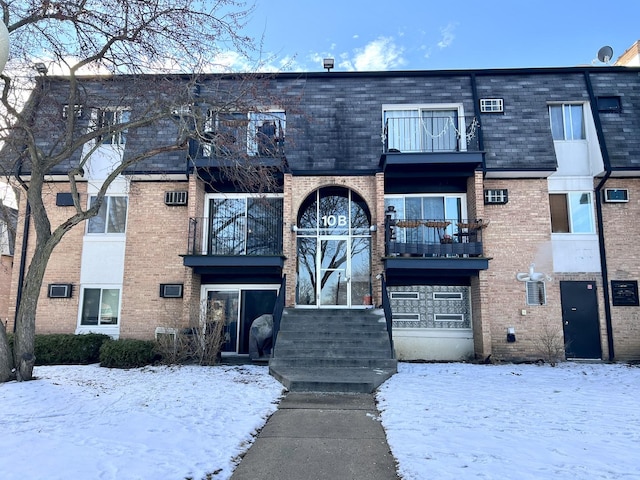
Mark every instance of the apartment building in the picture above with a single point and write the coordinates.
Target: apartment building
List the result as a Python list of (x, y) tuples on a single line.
[(489, 209)]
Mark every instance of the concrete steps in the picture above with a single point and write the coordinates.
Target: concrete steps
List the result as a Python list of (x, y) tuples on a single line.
[(332, 350)]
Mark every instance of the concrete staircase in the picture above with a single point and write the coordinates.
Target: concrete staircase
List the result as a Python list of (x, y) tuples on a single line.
[(335, 350)]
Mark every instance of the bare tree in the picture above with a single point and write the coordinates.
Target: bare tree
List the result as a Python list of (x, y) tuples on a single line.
[(142, 45)]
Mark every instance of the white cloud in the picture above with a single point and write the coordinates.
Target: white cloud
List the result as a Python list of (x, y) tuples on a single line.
[(381, 54), (447, 35)]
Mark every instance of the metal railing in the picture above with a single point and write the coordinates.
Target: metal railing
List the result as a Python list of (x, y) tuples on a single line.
[(235, 235), (421, 134), (434, 237), (277, 311), (386, 307)]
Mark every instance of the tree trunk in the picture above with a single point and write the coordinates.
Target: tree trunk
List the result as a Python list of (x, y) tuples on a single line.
[(24, 341), (6, 360)]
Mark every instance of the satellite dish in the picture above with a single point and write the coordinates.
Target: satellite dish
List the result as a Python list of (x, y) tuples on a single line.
[(605, 54)]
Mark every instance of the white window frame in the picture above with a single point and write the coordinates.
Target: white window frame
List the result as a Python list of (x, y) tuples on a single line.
[(107, 201), (419, 108), (257, 119), (401, 209), (243, 196), (106, 327), (570, 212), (568, 134), (108, 116), (250, 121)]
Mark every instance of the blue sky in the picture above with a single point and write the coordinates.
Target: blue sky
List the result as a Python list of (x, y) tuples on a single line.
[(440, 34)]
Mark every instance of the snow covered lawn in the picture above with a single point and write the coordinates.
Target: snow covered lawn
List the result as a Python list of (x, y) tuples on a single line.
[(459, 421), (443, 421), (88, 422)]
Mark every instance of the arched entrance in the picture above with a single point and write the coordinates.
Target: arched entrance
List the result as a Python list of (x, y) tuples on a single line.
[(334, 250)]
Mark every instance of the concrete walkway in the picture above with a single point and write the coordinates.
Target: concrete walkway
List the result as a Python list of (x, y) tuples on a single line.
[(317, 436)]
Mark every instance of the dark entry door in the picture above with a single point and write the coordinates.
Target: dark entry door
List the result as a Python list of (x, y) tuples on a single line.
[(580, 319), (254, 304)]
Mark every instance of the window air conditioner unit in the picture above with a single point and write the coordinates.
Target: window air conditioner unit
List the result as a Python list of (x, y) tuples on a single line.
[(60, 290), (176, 198), (616, 195), (171, 290)]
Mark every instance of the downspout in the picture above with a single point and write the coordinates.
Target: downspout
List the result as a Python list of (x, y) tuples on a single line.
[(476, 111), (599, 217), (23, 261)]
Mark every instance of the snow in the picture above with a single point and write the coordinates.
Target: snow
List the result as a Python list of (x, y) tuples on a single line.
[(444, 421), (455, 421)]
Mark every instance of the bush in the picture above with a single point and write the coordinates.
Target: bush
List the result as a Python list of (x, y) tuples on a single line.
[(68, 349), (127, 353)]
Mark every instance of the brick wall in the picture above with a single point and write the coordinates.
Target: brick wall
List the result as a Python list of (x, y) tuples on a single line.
[(55, 315), (620, 221), (156, 237)]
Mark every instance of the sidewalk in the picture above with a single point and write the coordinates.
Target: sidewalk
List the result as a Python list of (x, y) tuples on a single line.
[(316, 436)]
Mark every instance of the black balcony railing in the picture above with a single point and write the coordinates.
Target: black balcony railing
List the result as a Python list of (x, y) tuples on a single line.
[(235, 235), (433, 238), (420, 134)]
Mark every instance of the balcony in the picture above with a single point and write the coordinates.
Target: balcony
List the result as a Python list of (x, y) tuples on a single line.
[(430, 134), (236, 247), (453, 247)]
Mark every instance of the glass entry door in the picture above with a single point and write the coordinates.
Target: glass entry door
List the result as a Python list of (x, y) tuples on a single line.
[(334, 272), (334, 250)]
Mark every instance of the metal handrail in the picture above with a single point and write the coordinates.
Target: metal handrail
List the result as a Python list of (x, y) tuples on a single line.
[(386, 307), (278, 308)]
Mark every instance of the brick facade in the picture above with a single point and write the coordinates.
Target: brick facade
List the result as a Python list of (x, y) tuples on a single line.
[(334, 138)]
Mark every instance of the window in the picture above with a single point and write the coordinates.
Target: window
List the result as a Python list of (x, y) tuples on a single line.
[(496, 196), (571, 212), (245, 226), (112, 216), (266, 133), (112, 118), (536, 293), (236, 133), (426, 207), (100, 306), (409, 129), (567, 122), (77, 111)]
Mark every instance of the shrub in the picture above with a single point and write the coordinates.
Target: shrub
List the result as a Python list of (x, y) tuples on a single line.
[(68, 349), (127, 353)]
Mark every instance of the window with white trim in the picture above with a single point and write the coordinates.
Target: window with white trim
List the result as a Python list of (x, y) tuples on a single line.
[(245, 225), (412, 207), (571, 212), (428, 128), (100, 306), (259, 133), (112, 118), (567, 121), (111, 217)]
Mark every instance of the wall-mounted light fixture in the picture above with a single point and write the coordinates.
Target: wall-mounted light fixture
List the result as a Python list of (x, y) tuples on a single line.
[(328, 63), (294, 228)]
